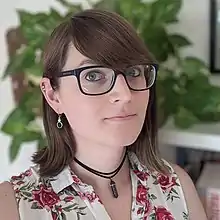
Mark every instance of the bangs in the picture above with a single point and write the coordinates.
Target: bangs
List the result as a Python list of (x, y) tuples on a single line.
[(108, 39), (104, 37)]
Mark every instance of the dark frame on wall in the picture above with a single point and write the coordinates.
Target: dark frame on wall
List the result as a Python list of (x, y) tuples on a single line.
[(215, 36)]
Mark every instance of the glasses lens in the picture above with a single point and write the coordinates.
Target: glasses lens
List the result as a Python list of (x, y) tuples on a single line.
[(96, 80), (141, 77)]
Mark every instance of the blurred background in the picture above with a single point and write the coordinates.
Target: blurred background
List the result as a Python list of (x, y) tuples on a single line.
[(183, 35)]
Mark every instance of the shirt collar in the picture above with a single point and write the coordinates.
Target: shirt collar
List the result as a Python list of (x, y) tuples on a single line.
[(66, 177), (62, 180)]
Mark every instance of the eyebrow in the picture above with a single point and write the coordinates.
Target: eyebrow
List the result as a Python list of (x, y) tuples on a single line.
[(86, 61)]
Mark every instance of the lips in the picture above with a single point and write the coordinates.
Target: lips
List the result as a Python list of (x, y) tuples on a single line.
[(121, 117)]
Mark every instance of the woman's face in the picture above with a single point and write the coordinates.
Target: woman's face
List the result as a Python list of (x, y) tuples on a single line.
[(114, 119)]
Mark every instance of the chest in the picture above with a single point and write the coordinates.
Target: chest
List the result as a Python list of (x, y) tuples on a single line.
[(120, 208)]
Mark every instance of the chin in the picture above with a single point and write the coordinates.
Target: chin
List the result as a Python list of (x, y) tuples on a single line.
[(121, 133), (122, 138)]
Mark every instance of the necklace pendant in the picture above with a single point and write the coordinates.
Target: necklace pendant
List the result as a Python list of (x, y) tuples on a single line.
[(113, 188)]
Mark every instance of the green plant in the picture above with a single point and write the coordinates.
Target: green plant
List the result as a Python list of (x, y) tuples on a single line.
[(183, 87)]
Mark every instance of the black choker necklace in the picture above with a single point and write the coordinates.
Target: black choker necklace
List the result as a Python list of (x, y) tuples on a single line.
[(105, 175)]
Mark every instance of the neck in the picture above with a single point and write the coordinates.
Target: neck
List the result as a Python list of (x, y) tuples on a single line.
[(103, 159)]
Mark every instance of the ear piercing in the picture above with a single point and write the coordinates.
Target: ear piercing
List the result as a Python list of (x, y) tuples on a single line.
[(59, 122)]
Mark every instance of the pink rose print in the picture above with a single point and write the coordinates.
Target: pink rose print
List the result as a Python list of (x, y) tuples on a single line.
[(141, 175), (163, 214), (90, 196), (145, 211), (45, 197), (166, 181), (141, 195), (148, 208), (76, 179)]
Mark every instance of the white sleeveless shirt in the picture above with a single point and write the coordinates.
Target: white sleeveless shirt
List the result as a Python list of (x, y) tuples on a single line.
[(65, 197)]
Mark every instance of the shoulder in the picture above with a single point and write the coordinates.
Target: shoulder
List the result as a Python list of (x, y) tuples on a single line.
[(7, 199), (28, 174), (30, 191), (24, 185), (28, 178), (195, 208)]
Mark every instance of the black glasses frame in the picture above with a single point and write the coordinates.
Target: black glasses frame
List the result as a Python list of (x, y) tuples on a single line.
[(76, 73)]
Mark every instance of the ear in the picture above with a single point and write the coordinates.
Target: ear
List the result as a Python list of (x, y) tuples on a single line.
[(51, 95)]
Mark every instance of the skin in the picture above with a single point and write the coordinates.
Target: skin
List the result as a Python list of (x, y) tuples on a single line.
[(101, 141)]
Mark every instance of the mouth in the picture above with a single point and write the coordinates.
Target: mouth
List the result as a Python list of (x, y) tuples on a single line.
[(121, 117)]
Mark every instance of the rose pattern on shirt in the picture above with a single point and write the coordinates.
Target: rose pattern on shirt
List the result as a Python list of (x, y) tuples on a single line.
[(163, 214), (65, 205), (43, 197), (145, 199), (168, 184)]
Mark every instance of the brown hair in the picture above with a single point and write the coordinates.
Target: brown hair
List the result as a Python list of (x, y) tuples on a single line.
[(109, 40)]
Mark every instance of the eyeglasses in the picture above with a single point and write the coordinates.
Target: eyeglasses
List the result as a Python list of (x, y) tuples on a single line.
[(98, 80)]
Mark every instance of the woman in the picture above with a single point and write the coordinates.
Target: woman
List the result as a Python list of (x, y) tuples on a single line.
[(99, 112)]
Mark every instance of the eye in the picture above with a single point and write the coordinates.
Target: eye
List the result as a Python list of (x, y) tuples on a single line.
[(93, 76), (133, 71)]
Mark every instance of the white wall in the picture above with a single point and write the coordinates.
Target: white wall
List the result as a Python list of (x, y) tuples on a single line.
[(8, 18), (193, 23)]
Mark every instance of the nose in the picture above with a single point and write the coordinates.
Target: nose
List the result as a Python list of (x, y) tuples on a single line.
[(120, 92)]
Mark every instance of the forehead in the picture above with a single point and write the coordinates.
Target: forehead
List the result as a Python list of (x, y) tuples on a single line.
[(75, 59)]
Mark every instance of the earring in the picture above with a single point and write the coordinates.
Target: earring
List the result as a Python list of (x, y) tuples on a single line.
[(43, 87), (59, 122)]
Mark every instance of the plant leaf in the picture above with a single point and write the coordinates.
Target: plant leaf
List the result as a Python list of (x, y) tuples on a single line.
[(36, 70), (179, 41), (42, 142), (73, 7), (165, 11), (158, 41), (14, 148), (211, 111), (103, 4), (31, 100), (17, 121), (21, 60), (35, 27), (55, 15), (184, 118), (18, 140), (193, 66)]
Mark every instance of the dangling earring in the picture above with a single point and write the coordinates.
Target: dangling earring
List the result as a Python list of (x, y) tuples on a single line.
[(59, 122)]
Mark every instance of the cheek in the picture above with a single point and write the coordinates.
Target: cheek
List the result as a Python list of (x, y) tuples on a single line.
[(81, 111), (141, 101)]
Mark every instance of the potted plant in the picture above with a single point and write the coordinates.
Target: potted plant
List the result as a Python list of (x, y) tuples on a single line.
[(183, 87)]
